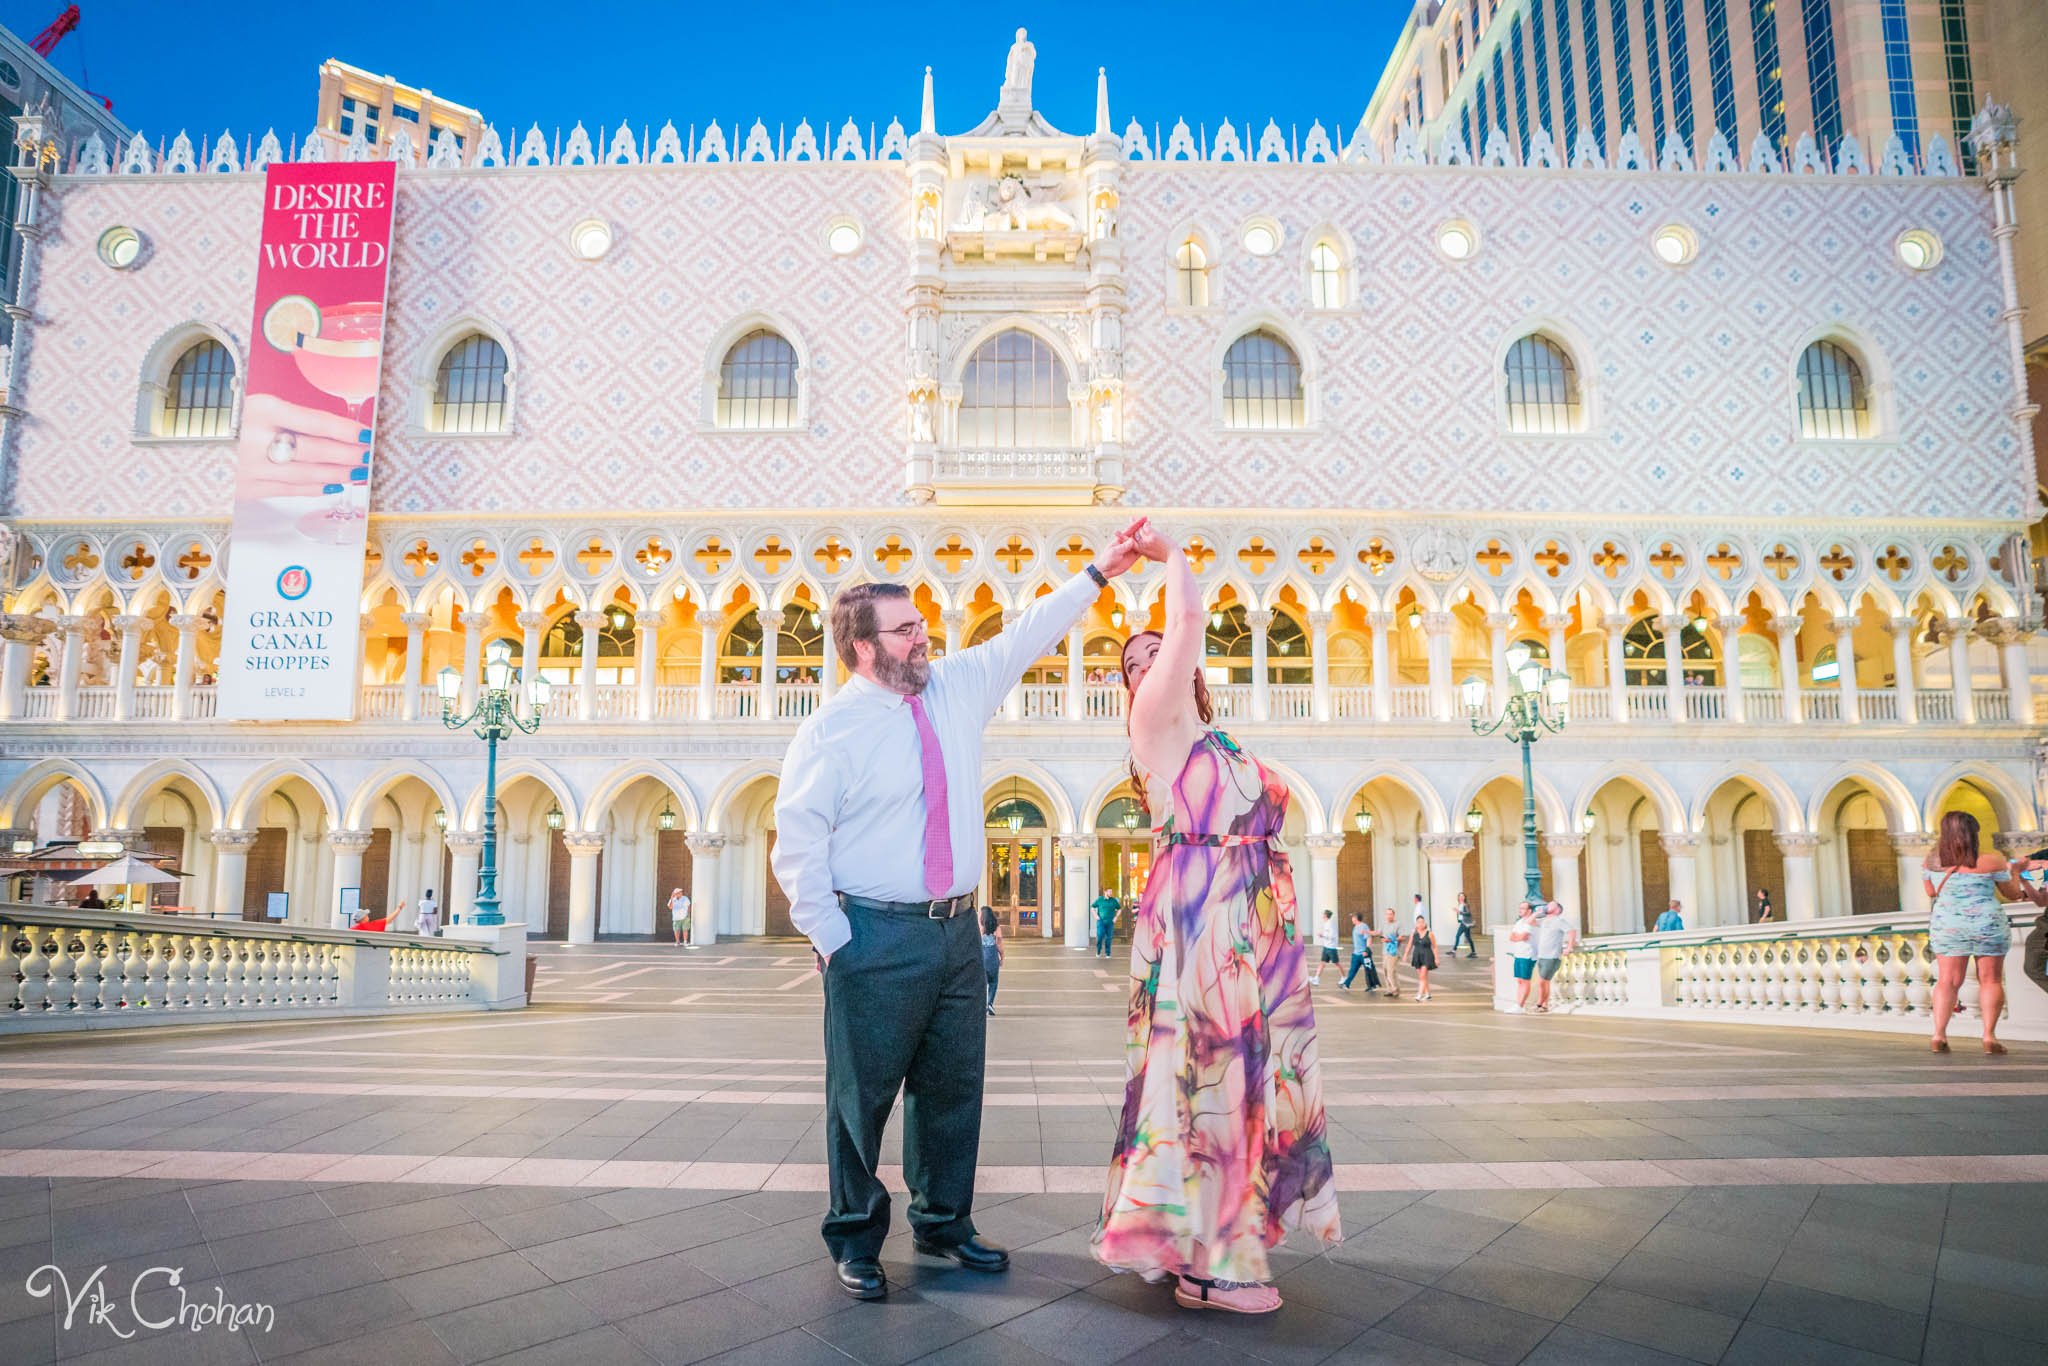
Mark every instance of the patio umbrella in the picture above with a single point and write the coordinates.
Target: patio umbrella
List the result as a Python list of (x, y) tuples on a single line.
[(125, 872)]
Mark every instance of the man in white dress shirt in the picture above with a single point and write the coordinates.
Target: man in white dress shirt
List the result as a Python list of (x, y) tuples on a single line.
[(879, 848)]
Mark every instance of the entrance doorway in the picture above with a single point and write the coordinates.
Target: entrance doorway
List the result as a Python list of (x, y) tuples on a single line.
[(1018, 882)]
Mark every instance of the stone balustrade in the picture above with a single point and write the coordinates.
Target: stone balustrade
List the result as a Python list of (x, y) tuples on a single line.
[(1855, 972), (67, 969)]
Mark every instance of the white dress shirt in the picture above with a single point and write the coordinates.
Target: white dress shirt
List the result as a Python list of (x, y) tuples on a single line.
[(850, 814)]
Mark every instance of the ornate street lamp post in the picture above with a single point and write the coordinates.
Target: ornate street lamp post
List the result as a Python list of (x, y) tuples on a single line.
[(495, 716), (1539, 699)]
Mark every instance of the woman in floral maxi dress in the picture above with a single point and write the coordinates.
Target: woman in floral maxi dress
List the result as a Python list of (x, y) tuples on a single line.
[(1222, 1146)]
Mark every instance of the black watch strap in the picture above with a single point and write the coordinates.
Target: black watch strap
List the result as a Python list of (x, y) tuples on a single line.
[(1101, 579)]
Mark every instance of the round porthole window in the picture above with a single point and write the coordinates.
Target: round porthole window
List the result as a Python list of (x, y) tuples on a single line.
[(120, 248), (1919, 250), (1675, 244), (1261, 237), (843, 236), (590, 239), (1458, 240)]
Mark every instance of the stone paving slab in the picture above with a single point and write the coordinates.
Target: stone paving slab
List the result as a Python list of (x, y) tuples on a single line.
[(635, 1181)]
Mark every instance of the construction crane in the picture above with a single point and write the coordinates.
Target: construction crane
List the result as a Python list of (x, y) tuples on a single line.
[(46, 42)]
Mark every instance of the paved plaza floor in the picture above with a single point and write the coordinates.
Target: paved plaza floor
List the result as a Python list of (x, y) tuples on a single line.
[(632, 1172)]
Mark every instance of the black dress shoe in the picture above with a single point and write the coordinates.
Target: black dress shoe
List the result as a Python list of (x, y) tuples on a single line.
[(862, 1278), (974, 1254)]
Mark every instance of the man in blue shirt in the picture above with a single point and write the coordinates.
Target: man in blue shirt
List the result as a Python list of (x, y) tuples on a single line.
[(1361, 954), (1670, 920), (1106, 907)]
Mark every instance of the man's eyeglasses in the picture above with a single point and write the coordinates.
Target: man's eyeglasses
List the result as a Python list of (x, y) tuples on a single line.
[(907, 632)]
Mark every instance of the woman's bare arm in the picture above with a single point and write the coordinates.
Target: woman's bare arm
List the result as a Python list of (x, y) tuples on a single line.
[(1164, 722)]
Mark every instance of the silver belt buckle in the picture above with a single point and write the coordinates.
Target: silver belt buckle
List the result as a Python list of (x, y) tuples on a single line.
[(931, 910)]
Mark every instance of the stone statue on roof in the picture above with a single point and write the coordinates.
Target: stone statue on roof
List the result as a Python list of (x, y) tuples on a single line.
[(1016, 93)]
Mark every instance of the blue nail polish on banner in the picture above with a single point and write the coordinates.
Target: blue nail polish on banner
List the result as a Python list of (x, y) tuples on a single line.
[(360, 476), (363, 459), (364, 436), (330, 488)]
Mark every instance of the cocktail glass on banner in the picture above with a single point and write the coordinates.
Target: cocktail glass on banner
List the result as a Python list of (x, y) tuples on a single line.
[(340, 355)]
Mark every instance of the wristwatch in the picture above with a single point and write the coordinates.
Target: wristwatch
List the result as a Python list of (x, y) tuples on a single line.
[(1101, 580)]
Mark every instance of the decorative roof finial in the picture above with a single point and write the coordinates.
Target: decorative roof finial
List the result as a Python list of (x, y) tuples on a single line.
[(1102, 128), (926, 123)]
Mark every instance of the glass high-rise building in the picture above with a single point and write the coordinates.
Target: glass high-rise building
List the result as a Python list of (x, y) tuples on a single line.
[(1685, 69)]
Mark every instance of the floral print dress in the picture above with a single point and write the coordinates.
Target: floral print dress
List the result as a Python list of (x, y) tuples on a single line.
[(1223, 1143)]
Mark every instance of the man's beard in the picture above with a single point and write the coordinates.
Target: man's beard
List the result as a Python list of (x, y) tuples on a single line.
[(906, 676)]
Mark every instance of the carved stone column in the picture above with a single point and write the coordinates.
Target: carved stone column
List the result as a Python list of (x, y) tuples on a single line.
[(1904, 685), (646, 625), (465, 856), (1673, 627), (2011, 639), (1802, 886), (1382, 624), (1446, 855), (1564, 877), (530, 624), (349, 846), (230, 870), (1258, 622), (1734, 706), (1615, 624), (1962, 679), (1322, 866), (415, 624), (1786, 629), (1912, 851), (1320, 707), (586, 676), (704, 905), (473, 624), (22, 634), (1681, 858), (1436, 628), (771, 650), (130, 629), (1555, 624), (584, 847), (1077, 857), (70, 664), (1497, 624), (708, 625), (1845, 665)]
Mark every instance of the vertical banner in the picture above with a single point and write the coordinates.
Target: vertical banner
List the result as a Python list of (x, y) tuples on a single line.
[(291, 634)]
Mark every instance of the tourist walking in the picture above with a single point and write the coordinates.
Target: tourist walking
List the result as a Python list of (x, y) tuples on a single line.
[(1390, 941), (1553, 941), (1672, 917), (879, 846), (2034, 960), (1763, 904), (991, 952), (1422, 953), (1222, 1146), (1522, 944), (1326, 946), (1968, 921), (1464, 933), (1106, 907), (430, 913), (1361, 954), (679, 916)]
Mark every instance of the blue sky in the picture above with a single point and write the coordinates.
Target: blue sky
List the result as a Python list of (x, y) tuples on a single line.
[(248, 66)]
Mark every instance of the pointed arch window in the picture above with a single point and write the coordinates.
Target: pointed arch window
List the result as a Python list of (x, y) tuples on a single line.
[(757, 384), (1834, 401), (469, 388), (1542, 387), (1191, 274), (1227, 648), (1014, 395), (799, 647), (199, 395), (1325, 275), (1642, 655), (1262, 389), (561, 649)]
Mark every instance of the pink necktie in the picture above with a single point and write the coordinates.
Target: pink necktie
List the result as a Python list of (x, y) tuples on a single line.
[(938, 824)]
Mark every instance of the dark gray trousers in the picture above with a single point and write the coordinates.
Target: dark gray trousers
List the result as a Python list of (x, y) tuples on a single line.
[(905, 1008)]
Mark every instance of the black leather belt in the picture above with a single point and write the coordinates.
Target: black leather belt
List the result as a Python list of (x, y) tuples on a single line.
[(943, 909)]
